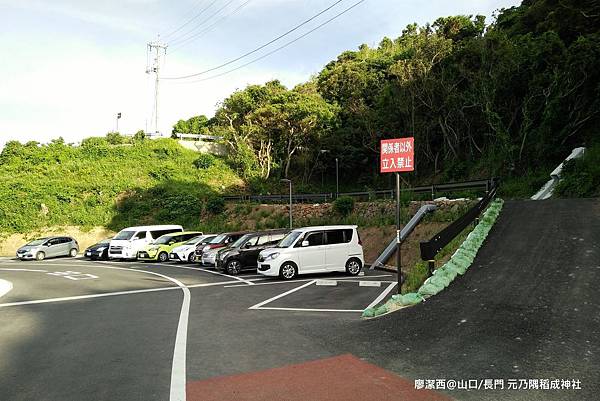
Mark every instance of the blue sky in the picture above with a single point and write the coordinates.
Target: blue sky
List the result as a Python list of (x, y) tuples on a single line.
[(69, 66)]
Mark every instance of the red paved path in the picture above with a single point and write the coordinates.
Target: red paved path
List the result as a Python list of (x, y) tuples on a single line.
[(341, 378)]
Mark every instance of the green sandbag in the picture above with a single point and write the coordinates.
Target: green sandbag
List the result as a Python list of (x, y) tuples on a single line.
[(429, 289), (450, 274), (380, 310), (439, 280), (368, 312), (412, 298)]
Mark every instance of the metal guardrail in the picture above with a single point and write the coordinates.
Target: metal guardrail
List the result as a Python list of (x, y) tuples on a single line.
[(381, 194), (432, 247), (389, 251)]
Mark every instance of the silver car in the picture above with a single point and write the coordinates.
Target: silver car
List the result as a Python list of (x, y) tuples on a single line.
[(49, 247)]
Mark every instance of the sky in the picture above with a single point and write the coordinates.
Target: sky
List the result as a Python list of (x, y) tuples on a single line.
[(69, 66)]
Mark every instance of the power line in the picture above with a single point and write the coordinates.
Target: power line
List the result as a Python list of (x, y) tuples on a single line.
[(279, 48), (191, 19), (203, 32), (260, 47), (183, 37)]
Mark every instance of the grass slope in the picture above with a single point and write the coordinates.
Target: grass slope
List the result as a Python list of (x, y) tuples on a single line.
[(106, 184)]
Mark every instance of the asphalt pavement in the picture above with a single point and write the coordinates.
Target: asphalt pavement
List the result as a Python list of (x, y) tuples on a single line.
[(528, 308)]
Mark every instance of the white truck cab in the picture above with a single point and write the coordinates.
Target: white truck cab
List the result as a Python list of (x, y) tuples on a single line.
[(129, 241)]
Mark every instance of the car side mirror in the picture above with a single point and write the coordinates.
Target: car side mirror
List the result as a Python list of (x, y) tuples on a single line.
[(305, 243), (248, 245)]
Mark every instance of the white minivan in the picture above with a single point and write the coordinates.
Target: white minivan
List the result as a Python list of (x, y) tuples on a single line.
[(127, 243), (314, 250)]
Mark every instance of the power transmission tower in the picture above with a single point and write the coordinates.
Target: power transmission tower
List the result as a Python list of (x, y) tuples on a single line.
[(160, 50)]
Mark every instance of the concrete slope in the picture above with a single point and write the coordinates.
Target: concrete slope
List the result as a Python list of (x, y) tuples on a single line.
[(529, 308)]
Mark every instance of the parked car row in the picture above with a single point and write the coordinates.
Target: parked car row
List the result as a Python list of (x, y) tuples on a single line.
[(282, 252)]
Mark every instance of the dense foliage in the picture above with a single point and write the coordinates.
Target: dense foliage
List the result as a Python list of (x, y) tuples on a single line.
[(113, 181), (511, 98)]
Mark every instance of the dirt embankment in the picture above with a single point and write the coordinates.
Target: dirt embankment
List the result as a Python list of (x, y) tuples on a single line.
[(9, 244)]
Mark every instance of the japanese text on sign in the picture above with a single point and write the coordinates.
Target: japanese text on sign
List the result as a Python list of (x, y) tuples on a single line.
[(397, 155)]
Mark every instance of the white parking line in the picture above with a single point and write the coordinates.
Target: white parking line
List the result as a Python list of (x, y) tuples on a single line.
[(345, 279), (248, 282), (76, 297), (23, 270), (257, 306), (312, 310), (382, 295), (5, 287)]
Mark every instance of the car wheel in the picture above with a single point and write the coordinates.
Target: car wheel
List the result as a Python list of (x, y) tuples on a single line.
[(353, 266), (40, 256), (288, 271), (73, 252), (191, 258), (234, 267), (163, 257)]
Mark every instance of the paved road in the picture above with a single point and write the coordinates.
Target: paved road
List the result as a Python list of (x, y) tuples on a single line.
[(528, 308)]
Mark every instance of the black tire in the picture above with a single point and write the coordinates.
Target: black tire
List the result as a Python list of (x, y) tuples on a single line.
[(73, 252), (191, 258), (353, 266), (233, 267), (40, 256), (288, 271), (163, 257)]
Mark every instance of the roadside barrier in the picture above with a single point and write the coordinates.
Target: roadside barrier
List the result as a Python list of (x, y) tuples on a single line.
[(458, 264), (365, 195)]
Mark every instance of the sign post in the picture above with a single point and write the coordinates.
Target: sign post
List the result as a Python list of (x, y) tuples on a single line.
[(396, 156)]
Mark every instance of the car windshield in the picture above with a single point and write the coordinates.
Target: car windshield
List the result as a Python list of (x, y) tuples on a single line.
[(218, 239), (104, 241), (195, 240), (124, 235), (241, 240), (37, 242), (289, 239), (165, 239)]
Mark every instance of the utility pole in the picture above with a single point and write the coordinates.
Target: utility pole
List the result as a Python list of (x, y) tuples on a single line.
[(160, 50)]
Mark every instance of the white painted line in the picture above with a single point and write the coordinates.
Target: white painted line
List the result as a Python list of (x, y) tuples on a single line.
[(329, 283), (369, 283), (178, 371), (258, 305), (382, 295), (248, 282), (5, 287), (23, 270), (76, 297), (344, 279), (311, 310)]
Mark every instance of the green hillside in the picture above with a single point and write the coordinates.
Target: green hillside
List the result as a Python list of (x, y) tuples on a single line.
[(508, 97), (110, 182)]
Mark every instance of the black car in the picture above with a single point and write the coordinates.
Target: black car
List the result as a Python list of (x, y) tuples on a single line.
[(220, 241), (98, 251), (243, 253)]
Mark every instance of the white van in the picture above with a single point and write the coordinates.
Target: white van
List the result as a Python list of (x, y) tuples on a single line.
[(314, 250), (127, 243)]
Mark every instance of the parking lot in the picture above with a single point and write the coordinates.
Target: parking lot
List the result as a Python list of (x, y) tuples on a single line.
[(151, 331)]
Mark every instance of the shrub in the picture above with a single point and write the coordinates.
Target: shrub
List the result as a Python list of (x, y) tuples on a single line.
[(581, 177), (215, 205), (115, 138), (344, 205), (204, 161)]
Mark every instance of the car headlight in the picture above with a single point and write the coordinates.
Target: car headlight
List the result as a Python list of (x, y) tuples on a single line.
[(272, 256), (101, 249)]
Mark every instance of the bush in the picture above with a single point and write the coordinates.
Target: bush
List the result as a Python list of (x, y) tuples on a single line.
[(344, 205), (215, 205), (115, 138), (581, 177), (204, 161)]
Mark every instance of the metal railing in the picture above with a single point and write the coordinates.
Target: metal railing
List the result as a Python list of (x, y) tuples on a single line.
[(432, 247), (367, 195)]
